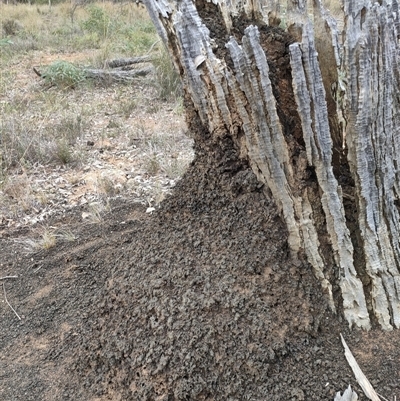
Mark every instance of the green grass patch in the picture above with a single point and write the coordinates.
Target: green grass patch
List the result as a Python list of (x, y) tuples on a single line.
[(64, 74)]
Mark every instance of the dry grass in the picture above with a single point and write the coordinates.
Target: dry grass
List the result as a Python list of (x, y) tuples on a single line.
[(44, 239), (335, 7), (68, 143), (96, 26), (63, 144)]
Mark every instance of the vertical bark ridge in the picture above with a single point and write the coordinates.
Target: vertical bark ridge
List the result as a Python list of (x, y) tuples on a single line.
[(265, 142), (348, 117), (370, 59), (310, 97)]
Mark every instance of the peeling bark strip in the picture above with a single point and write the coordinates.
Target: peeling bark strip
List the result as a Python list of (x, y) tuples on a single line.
[(317, 129), (310, 97)]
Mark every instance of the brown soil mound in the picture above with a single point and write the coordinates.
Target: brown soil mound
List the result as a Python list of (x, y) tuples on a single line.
[(200, 301)]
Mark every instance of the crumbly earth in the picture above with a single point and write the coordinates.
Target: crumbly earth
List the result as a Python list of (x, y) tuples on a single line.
[(199, 301)]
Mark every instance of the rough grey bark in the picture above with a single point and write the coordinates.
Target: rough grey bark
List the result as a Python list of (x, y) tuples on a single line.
[(343, 83)]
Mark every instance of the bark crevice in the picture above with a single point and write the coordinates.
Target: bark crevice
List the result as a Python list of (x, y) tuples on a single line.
[(311, 110)]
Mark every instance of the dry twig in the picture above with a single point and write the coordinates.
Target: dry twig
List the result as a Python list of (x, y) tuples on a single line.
[(6, 277), (5, 297), (361, 378)]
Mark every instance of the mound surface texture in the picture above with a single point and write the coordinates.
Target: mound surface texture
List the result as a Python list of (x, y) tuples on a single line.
[(200, 301), (208, 305)]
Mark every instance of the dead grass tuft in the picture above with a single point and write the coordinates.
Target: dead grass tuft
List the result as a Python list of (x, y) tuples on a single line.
[(45, 239), (167, 81)]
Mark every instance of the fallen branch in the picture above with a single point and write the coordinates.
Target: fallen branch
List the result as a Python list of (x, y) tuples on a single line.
[(360, 377), (122, 62), (6, 277), (118, 76), (36, 270), (5, 298), (110, 75)]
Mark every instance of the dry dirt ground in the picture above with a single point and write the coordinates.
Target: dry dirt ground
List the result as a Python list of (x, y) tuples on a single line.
[(198, 301), (128, 143)]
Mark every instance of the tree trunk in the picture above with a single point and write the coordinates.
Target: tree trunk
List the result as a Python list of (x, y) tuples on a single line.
[(315, 112)]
